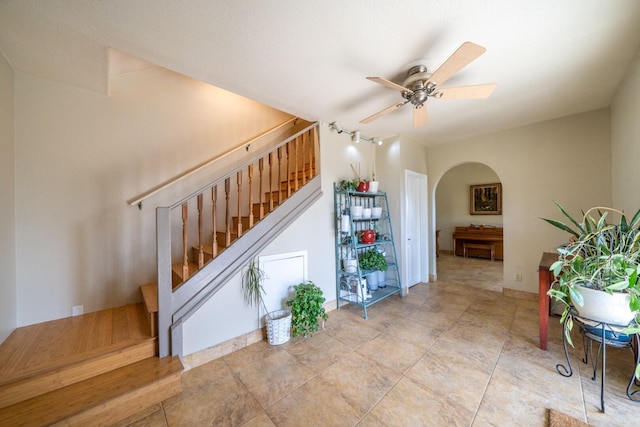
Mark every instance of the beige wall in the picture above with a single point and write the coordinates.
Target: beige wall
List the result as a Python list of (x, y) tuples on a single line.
[(8, 288), (568, 160), (81, 156), (394, 157), (625, 142), (452, 200)]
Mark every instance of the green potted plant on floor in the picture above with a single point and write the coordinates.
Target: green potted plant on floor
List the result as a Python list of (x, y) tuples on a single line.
[(307, 309), (278, 323), (597, 272)]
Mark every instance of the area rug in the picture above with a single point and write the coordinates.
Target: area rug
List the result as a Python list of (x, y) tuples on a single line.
[(558, 419)]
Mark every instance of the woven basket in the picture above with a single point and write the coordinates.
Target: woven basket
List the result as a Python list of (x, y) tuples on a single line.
[(278, 327)]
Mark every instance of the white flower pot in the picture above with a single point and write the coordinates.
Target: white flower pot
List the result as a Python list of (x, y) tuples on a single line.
[(373, 186), (382, 277), (603, 307), (350, 265)]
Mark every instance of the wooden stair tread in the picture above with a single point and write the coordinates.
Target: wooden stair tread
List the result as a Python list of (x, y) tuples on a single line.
[(150, 296), (44, 347), (177, 272), (101, 397), (34, 382)]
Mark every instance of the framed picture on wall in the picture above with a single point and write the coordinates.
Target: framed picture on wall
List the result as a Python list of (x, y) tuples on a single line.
[(486, 199)]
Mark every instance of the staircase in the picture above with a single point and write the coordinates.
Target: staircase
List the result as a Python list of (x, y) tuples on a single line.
[(94, 369), (103, 367), (225, 224)]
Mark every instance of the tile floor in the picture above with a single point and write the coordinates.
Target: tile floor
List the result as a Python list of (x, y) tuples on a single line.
[(447, 354)]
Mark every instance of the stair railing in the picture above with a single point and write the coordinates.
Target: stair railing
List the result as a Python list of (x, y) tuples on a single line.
[(236, 202), (288, 124)]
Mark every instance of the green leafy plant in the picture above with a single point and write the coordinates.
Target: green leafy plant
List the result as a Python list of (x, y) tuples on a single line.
[(600, 255), (372, 259), (306, 309), (348, 185), (252, 285)]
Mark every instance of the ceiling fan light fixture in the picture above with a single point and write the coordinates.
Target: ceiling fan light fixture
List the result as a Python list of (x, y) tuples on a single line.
[(421, 84)]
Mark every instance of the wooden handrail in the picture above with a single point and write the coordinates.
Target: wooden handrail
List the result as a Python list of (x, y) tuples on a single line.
[(242, 164), (138, 200)]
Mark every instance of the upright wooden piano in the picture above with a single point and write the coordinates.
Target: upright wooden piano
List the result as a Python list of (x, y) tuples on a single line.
[(478, 234)]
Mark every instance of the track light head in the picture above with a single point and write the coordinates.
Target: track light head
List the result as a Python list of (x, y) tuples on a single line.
[(335, 126)]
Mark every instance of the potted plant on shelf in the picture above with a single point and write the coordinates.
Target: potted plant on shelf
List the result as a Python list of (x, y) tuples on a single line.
[(597, 271), (373, 184), (307, 309), (372, 261), (348, 185), (278, 323)]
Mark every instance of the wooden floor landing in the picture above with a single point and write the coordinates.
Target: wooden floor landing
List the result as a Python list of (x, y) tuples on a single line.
[(35, 349)]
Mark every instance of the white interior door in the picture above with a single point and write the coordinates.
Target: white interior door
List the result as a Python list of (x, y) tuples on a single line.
[(416, 261)]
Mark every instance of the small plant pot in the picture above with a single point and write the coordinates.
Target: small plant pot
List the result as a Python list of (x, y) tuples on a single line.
[(368, 237), (382, 278), (363, 186), (376, 212), (372, 281), (350, 265), (373, 186), (356, 211)]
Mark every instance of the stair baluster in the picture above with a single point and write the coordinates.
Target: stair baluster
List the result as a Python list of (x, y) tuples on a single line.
[(227, 225), (200, 246), (279, 193), (288, 170), (296, 154), (312, 152), (305, 141), (250, 176), (239, 210), (214, 215), (261, 191), (185, 257), (270, 181)]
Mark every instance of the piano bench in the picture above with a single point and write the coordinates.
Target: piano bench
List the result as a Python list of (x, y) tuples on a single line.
[(484, 246)]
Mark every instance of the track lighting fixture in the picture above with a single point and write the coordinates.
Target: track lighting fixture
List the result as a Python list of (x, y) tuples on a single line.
[(355, 135)]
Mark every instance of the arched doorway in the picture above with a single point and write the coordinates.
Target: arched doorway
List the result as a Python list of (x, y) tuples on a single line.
[(453, 209)]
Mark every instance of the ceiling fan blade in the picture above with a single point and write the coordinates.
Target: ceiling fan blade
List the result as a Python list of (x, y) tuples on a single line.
[(462, 57), (383, 112), (389, 84), (420, 115), (466, 92)]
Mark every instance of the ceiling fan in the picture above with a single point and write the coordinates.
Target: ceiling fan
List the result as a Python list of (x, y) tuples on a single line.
[(420, 85)]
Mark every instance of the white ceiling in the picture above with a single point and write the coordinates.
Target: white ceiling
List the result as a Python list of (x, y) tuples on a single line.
[(549, 58)]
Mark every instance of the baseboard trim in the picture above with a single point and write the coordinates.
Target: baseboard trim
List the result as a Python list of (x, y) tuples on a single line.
[(516, 293), (217, 351)]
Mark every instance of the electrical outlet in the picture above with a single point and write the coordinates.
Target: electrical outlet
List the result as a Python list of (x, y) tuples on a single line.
[(518, 276), (77, 310)]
